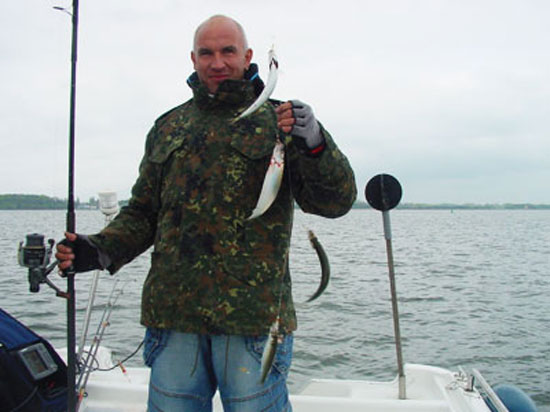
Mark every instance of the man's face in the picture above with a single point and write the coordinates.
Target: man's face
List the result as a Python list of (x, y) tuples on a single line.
[(219, 53)]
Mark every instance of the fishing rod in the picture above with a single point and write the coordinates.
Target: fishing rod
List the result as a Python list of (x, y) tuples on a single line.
[(35, 254), (71, 224), (87, 369), (383, 192), (108, 205)]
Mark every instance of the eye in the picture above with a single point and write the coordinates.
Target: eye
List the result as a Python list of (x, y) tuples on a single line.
[(204, 52), (229, 50)]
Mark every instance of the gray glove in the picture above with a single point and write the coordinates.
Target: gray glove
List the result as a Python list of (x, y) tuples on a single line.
[(306, 125)]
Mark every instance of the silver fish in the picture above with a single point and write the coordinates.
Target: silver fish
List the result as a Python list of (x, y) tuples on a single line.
[(268, 89), (270, 349), (272, 181)]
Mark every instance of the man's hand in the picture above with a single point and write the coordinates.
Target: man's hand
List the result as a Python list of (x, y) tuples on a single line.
[(77, 251), (285, 117), (296, 118), (65, 254)]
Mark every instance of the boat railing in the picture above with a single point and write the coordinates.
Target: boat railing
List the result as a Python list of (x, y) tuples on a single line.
[(489, 392)]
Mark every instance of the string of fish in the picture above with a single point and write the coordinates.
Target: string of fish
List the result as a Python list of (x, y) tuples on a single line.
[(270, 188)]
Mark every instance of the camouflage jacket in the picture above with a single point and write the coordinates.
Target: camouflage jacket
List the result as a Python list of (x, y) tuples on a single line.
[(212, 270)]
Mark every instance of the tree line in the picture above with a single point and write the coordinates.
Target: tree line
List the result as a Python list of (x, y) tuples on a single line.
[(32, 202), (42, 202)]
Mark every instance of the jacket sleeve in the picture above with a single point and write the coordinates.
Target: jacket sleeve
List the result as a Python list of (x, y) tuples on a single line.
[(322, 184), (132, 232)]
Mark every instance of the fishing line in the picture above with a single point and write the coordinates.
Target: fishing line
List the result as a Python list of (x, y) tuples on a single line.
[(94, 347), (313, 241), (126, 359), (108, 205), (86, 369)]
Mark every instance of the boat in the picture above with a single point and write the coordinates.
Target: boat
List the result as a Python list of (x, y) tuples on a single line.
[(421, 388), (107, 386), (429, 389)]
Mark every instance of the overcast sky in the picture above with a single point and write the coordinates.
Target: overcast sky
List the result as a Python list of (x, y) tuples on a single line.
[(451, 97)]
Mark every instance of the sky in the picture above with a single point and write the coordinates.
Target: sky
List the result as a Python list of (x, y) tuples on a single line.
[(452, 97)]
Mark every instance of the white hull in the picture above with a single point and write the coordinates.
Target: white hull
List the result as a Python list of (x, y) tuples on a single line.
[(429, 389)]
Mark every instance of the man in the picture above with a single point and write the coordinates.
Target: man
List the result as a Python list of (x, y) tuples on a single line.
[(218, 279)]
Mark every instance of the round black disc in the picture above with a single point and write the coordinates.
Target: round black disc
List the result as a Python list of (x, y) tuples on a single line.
[(383, 192)]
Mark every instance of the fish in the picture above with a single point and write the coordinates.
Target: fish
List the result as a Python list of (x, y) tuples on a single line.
[(268, 89), (272, 181), (325, 267), (270, 349)]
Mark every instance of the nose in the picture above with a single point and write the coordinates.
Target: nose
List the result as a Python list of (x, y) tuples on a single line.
[(217, 62)]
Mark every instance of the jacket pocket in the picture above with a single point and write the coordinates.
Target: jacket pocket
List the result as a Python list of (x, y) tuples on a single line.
[(254, 147), (244, 167), (164, 148)]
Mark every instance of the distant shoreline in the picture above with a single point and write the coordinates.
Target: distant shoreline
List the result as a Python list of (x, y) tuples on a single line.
[(42, 202), (465, 206)]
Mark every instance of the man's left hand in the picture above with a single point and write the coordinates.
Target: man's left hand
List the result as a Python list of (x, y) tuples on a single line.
[(296, 118), (285, 117)]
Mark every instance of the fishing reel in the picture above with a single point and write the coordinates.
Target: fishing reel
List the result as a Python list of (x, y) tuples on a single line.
[(35, 255)]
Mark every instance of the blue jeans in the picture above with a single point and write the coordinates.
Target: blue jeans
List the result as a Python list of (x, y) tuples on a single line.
[(186, 370)]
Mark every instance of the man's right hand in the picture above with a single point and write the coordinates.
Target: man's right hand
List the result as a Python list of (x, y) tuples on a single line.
[(65, 254), (77, 251)]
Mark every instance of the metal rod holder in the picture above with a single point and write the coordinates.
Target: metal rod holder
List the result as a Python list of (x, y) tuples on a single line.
[(395, 309), (383, 192)]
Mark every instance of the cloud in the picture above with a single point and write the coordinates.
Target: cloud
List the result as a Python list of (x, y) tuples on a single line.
[(450, 96)]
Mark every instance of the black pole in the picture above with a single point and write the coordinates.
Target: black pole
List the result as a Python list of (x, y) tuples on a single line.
[(71, 227)]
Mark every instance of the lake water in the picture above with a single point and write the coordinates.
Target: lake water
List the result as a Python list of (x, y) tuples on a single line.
[(473, 290)]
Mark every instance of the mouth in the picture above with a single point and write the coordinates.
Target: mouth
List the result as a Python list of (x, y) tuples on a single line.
[(218, 78)]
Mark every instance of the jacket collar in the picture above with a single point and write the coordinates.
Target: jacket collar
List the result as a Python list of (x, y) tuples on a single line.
[(231, 93)]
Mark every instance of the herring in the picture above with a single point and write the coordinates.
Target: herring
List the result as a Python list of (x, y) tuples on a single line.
[(270, 349), (268, 89), (272, 181)]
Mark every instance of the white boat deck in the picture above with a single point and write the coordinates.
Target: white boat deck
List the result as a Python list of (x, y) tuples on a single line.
[(429, 389)]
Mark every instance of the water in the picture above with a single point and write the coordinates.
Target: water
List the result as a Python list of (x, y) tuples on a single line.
[(473, 290)]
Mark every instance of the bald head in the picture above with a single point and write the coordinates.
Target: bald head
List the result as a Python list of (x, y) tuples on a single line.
[(220, 51), (219, 20)]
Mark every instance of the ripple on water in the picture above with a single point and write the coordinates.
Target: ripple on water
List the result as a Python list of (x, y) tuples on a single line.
[(472, 288)]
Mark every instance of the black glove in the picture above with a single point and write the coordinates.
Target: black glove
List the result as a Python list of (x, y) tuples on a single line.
[(306, 125), (86, 254)]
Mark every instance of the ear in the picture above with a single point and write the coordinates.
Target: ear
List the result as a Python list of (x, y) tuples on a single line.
[(194, 59), (248, 57)]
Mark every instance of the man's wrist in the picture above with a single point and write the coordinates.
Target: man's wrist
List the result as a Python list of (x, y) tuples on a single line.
[(304, 149)]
